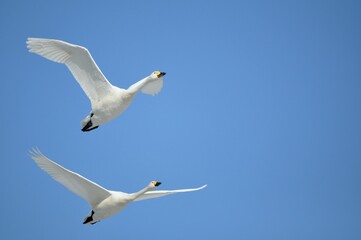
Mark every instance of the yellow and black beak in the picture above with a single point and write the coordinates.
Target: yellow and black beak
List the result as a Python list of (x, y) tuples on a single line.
[(160, 74), (157, 184)]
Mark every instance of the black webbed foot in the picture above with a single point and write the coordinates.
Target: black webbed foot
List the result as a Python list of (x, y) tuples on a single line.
[(89, 218), (88, 127)]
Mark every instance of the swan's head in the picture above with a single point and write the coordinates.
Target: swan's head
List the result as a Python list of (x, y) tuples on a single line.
[(157, 74), (154, 184)]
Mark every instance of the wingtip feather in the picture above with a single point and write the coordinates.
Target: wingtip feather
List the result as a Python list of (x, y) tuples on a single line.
[(204, 186), (35, 153)]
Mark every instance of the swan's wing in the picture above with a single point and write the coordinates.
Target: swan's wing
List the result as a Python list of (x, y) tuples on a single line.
[(153, 87), (78, 60), (162, 193), (90, 191), (147, 86)]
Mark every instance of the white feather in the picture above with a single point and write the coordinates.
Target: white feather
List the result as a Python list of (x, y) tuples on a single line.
[(88, 190), (78, 60), (153, 87), (162, 193)]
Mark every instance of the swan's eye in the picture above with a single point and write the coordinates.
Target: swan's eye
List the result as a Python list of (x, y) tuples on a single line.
[(157, 73)]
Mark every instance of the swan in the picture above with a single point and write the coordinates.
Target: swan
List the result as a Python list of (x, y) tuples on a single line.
[(107, 101), (104, 203)]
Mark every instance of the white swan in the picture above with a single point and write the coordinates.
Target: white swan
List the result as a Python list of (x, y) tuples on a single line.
[(107, 101), (104, 203)]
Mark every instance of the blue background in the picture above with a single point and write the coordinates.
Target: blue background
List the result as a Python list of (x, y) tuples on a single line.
[(261, 101)]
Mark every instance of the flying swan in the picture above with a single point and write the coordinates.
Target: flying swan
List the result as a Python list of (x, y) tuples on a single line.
[(104, 203), (107, 101)]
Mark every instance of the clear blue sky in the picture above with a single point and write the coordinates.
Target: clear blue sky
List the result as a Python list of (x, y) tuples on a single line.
[(262, 102)]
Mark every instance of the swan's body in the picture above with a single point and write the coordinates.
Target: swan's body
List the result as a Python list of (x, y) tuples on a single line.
[(107, 101), (104, 203)]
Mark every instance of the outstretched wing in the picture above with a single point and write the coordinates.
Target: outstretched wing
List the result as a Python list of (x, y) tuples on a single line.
[(78, 60), (153, 87), (90, 191), (162, 193)]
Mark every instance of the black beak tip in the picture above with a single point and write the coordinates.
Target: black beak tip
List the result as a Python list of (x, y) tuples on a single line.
[(157, 184), (163, 73)]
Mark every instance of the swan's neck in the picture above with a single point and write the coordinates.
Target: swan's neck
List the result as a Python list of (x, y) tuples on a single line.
[(134, 196), (138, 85)]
